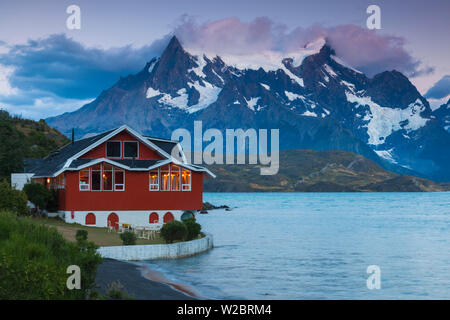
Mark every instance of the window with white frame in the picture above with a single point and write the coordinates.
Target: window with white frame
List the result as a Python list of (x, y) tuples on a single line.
[(107, 177), (175, 178), (186, 180), (165, 178), (154, 180), (130, 149), (170, 178), (119, 180), (85, 180), (113, 149), (102, 177)]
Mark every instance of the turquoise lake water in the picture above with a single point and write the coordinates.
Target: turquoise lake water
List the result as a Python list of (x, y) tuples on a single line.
[(319, 245)]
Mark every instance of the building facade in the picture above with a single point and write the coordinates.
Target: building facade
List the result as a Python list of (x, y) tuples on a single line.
[(121, 176)]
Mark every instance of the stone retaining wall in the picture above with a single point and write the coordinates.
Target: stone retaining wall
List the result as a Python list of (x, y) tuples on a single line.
[(158, 251)]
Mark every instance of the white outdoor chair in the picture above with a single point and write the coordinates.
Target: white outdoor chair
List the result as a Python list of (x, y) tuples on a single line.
[(110, 227)]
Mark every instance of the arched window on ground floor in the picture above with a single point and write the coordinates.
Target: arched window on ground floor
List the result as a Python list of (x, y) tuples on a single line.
[(168, 217)]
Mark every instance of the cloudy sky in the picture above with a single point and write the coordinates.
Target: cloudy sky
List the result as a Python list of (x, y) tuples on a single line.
[(47, 69)]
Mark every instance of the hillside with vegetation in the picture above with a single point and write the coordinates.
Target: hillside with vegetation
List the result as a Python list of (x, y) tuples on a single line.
[(316, 171), (22, 138), (301, 170)]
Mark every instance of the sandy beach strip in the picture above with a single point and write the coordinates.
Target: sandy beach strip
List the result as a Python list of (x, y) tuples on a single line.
[(142, 284)]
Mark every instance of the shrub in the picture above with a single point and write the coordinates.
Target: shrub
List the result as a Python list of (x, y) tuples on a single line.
[(128, 238), (174, 230), (34, 260), (53, 203), (38, 194), (81, 237), (116, 291), (193, 228), (12, 200)]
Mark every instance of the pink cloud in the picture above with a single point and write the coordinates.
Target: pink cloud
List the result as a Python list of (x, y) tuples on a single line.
[(364, 49)]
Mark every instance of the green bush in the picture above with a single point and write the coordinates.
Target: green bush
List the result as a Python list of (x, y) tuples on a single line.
[(128, 238), (193, 228), (34, 260), (53, 201), (81, 237), (12, 200), (116, 291), (174, 230), (38, 194)]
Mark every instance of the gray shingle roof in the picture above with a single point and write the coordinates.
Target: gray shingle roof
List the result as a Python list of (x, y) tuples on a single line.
[(50, 165), (56, 160), (165, 145)]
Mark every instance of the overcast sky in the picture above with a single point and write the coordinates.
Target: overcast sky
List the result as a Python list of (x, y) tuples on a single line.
[(46, 69)]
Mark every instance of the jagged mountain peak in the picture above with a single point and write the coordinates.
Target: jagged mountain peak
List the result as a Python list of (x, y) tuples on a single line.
[(393, 89), (174, 43), (315, 100)]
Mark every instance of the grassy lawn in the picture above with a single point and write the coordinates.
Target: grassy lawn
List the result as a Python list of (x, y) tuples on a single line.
[(100, 236)]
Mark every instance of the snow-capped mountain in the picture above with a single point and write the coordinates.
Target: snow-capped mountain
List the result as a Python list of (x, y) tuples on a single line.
[(314, 98)]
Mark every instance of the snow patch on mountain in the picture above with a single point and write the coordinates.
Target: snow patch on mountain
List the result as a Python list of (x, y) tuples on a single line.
[(252, 103), (201, 64), (382, 122), (349, 85), (179, 101), (345, 64), (208, 95), (152, 65), (268, 60), (309, 114), (267, 87), (330, 71), (293, 96), (152, 93), (386, 154), (293, 76)]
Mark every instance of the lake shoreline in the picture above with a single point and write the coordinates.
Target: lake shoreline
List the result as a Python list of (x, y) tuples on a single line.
[(139, 282)]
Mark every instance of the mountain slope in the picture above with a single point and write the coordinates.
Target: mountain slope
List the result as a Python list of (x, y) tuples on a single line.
[(21, 138), (443, 115), (316, 171), (315, 100)]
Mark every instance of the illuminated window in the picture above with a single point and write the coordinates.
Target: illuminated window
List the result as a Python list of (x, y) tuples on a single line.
[(107, 177), (165, 178), (175, 178), (84, 180), (102, 177), (61, 181), (186, 180), (154, 180)]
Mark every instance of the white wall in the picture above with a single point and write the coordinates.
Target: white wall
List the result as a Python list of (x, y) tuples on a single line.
[(158, 251), (18, 180), (136, 218)]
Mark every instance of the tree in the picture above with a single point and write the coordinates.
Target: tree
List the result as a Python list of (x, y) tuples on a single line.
[(12, 200), (38, 194)]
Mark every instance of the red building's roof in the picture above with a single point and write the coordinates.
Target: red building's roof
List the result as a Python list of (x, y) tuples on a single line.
[(68, 157)]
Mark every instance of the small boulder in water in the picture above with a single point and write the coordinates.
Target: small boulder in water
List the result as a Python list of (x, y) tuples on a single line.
[(209, 206)]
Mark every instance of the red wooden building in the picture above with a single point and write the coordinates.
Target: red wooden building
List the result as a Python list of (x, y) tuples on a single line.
[(121, 176)]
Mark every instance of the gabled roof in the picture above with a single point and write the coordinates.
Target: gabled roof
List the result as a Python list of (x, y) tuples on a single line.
[(57, 159), (67, 157)]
